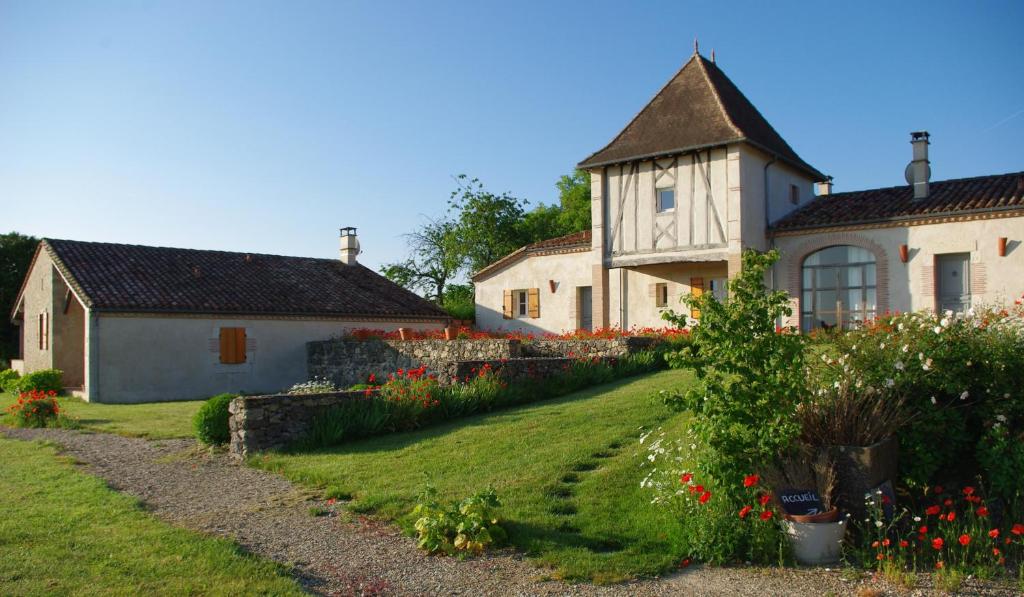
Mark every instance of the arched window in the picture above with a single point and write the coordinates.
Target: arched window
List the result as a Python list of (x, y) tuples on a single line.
[(839, 288)]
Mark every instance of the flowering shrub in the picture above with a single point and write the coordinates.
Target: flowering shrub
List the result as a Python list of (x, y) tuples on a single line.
[(958, 373), (35, 408), (750, 374), (468, 527), (721, 523), (950, 530), (316, 385)]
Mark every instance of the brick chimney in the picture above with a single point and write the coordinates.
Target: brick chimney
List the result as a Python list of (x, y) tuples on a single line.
[(349, 246)]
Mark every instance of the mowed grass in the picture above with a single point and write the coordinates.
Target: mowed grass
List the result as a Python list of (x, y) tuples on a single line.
[(157, 420), (65, 533), (567, 471)]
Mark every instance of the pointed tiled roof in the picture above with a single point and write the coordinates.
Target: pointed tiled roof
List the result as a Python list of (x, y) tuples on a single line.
[(946, 198), (699, 107), (139, 279)]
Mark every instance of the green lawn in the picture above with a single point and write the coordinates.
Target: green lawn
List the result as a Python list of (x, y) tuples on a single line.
[(567, 470), (63, 532), (157, 420)]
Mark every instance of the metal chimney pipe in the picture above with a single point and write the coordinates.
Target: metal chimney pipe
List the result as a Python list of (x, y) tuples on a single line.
[(920, 171)]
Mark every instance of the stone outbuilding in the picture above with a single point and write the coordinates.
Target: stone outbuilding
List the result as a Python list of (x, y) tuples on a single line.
[(129, 323)]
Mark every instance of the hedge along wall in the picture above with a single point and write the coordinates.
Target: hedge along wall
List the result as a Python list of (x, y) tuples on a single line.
[(259, 423), (349, 361)]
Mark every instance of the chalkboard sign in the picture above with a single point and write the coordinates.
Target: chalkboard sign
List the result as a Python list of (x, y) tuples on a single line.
[(800, 502)]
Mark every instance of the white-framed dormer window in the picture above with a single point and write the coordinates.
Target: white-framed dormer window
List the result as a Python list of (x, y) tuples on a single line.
[(666, 199)]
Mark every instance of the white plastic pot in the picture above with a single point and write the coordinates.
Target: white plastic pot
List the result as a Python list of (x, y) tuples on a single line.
[(816, 543)]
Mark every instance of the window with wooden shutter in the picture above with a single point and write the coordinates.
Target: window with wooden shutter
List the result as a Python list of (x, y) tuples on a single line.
[(232, 346), (696, 289), (506, 310), (660, 294), (533, 302), (44, 331)]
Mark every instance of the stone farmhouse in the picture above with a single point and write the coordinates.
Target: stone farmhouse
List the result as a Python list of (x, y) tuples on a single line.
[(131, 323), (699, 175)]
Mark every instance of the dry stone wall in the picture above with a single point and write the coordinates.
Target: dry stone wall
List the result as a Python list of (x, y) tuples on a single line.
[(260, 423)]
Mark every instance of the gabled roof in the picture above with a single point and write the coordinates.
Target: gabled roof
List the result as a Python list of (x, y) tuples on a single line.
[(962, 196), (698, 108), (570, 243), (138, 279)]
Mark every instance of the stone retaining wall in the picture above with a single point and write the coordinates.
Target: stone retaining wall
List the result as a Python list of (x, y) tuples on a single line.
[(524, 368), (590, 347), (260, 423), (348, 361)]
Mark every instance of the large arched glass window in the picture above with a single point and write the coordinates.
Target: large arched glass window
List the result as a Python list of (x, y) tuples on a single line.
[(839, 288)]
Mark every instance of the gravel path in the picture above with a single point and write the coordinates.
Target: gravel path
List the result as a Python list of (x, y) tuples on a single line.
[(347, 555)]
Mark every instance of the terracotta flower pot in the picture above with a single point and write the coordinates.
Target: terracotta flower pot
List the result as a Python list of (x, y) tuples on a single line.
[(451, 332), (830, 516), (405, 333), (1002, 246)]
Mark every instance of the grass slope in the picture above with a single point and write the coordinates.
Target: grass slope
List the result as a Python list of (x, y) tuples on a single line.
[(63, 532), (157, 420), (567, 471)]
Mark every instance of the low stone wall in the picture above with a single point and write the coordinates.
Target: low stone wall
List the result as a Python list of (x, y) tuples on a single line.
[(588, 347), (348, 361), (524, 368), (260, 423)]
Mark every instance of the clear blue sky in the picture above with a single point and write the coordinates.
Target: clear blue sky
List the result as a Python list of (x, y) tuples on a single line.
[(263, 127)]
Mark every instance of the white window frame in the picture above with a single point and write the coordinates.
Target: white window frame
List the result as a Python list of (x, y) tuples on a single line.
[(521, 305), (661, 295)]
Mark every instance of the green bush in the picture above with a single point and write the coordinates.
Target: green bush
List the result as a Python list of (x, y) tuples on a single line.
[(211, 420), (468, 527), (44, 380), (9, 380)]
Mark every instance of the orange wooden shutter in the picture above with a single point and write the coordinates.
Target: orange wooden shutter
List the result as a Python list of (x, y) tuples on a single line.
[(506, 310), (232, 346), (533, 302), (696, 289), (240, 345)]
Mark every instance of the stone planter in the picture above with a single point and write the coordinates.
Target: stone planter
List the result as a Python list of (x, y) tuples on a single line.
[(816, 543), (862, 468)]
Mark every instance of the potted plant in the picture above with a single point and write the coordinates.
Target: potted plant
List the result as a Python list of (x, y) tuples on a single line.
[(451, 331), (804, 482), (857, 427)]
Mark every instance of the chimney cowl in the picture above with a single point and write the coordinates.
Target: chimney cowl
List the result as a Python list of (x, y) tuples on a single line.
[(919, 170), (349, 246)]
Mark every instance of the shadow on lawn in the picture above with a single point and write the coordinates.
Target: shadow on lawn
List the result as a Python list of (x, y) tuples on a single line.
[(509, 413), (535, 538)]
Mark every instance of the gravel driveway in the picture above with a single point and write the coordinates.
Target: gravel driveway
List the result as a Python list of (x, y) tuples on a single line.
[(341, 554)]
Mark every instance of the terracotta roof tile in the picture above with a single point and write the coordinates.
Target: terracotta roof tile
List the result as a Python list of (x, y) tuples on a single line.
[(134, 278), (945, 197)]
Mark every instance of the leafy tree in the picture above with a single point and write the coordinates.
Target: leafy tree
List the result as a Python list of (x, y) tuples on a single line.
[(436, 258), (459, 301), (574, 199), (488, 225), (16, 252)]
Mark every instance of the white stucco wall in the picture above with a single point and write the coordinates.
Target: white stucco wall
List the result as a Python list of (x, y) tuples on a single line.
[(557, 309), (154, 358), (632, 287), (781, 177), (911, 285)]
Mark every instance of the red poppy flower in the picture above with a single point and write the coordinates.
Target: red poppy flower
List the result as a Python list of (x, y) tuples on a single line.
[(951, 516), (948, 502), (750, 480), (937, 489), (904, 543), (886, 542), (766, 515), (968, 490), (939, 565), (1018, 529), (744, 511), (880, 557), (942, 517), (982, 511), (932, 510), (937, 543), (698, 488), (704, 497), (875, 544), (922, 530), (994, 533), (684, 563), (686, 478), (763, 499)]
